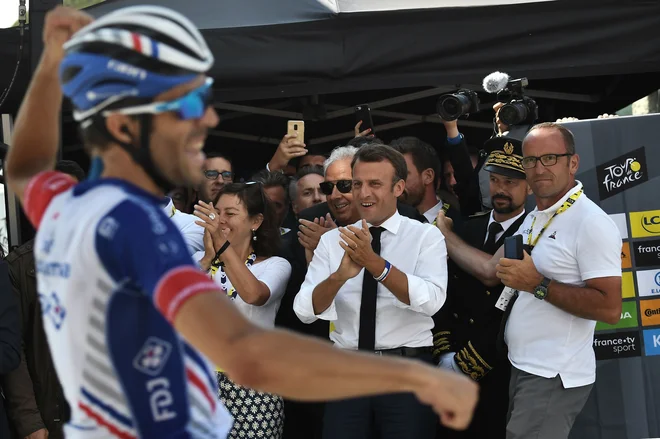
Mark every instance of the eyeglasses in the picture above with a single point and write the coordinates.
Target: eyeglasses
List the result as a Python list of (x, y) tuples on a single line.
[(529, 162), (190, 106), (213, 174), (343, 186)]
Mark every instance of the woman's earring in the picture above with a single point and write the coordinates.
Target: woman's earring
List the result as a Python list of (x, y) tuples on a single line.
[(254, 235)]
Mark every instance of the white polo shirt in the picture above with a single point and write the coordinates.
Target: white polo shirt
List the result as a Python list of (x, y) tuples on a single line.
[(581, 243)]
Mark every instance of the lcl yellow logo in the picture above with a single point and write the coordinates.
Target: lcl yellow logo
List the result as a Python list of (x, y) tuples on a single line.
[(645, 223)]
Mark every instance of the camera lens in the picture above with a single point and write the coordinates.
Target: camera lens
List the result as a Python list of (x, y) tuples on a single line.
[(513, 113), (451, 107)]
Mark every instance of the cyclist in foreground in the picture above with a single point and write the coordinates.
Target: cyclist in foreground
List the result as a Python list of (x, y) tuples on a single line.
[(129, 317)]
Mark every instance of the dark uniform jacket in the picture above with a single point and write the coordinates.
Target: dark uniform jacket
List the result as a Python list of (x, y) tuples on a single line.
[(469, 323), (34, 396)]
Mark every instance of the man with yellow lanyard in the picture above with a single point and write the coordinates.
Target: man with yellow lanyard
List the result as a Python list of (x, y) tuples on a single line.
[(571, 280)]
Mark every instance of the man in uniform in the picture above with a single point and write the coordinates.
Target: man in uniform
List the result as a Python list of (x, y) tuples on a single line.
[(468, 324)]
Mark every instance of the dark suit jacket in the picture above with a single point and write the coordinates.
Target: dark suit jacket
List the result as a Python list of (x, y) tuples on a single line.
[(467, 178), (10, 337), (469, 323)]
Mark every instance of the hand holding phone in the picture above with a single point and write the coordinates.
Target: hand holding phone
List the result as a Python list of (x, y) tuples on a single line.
[(513, 247), (297, 127), (363, 114)]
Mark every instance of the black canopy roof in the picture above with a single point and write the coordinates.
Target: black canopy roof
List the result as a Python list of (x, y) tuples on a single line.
[(267, 48)]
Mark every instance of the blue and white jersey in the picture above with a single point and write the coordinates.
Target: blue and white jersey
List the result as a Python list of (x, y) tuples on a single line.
[(112, 271)]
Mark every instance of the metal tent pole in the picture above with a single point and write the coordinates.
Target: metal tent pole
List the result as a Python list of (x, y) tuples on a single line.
[(12, 207)]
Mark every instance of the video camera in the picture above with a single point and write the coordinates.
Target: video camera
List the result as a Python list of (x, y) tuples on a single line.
[(518, 109)]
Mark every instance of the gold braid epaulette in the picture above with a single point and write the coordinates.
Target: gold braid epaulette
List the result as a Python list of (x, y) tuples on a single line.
[(441, 343), (471, 362)]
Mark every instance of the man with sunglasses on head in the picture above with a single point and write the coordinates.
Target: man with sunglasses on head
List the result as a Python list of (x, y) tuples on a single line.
[(569, 278), (131, 317), (218, 171)]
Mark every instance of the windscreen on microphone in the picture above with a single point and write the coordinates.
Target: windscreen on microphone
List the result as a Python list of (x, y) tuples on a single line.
[(496, 82)]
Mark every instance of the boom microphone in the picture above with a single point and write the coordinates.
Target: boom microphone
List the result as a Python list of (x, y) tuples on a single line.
[(496, 82)]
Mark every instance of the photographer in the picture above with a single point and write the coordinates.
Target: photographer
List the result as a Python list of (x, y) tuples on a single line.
[(571, 280), (455, 156)]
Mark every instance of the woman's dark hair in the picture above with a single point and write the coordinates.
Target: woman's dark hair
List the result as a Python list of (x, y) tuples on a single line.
[(256, 202)]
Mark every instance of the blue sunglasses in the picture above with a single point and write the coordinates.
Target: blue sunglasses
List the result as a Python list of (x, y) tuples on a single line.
[(190, 106)]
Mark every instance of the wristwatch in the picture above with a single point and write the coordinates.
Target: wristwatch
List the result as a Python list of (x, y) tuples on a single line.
[(541, 291)]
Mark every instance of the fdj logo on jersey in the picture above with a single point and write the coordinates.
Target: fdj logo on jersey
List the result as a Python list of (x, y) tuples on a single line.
[(622, 173), (52, 309)]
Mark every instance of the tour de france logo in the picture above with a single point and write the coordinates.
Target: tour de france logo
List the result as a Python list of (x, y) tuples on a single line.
[(622, 173)]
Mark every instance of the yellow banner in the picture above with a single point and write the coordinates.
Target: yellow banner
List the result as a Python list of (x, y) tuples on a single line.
[(645, 224)]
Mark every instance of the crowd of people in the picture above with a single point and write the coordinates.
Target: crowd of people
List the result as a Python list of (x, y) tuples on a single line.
[(380, 247)]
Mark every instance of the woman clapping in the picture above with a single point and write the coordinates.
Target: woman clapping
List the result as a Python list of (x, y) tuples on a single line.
[(240, 239)]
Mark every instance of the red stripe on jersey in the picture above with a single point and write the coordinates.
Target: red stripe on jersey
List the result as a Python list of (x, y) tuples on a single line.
[(136, 42), (178, 286), (197, 382), (40, 192), (101, 421)]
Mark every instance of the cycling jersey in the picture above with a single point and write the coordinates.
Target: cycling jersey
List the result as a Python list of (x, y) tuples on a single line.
[(112, 272)]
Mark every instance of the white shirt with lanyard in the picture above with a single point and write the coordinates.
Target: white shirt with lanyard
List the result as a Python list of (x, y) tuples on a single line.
[(573, 241), (507, 293)]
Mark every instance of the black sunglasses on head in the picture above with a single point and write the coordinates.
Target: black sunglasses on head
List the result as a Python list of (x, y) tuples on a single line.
[(213, 174), (343, 186)]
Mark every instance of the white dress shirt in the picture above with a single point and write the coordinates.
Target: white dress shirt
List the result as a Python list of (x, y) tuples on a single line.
[(505, 225), (415, 248), (432, 213), (193, 234), (581, 243)]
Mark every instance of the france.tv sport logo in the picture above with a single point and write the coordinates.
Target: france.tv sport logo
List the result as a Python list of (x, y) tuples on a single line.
[(617, 345), (621, 173), (647, 253)]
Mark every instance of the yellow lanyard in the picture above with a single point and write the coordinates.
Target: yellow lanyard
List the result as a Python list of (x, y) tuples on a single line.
[(173, 211), (445, 209), (564, 207)]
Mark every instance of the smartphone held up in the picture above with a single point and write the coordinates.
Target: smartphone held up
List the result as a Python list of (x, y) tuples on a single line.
[(363, 114)]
